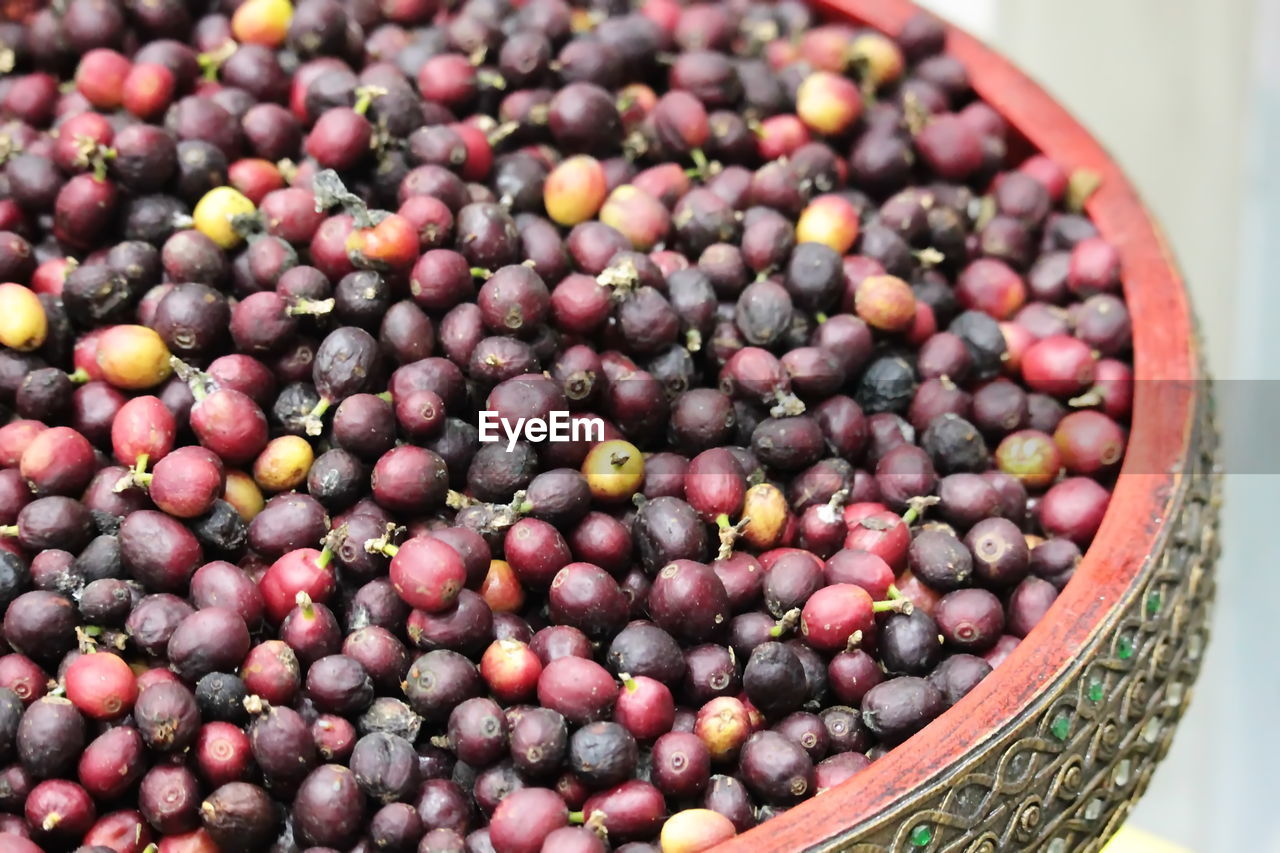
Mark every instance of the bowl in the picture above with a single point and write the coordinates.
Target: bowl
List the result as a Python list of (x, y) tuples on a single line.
[(1052, 749)]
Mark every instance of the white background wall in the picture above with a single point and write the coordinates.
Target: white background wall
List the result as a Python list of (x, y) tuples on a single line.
[(1186, 95)]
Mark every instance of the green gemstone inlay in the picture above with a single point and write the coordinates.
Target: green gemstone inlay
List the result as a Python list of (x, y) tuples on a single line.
[(1061, 727), (921, 835), (1095, 691), (1153, 603), (1124, 648)]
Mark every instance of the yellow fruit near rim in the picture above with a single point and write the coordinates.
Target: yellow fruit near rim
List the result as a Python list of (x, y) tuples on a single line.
[(214, 212), (23, 323), (614, 470), (695, 830)]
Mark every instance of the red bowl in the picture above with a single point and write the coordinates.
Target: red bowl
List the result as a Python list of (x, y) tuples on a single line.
[(1050, 750)]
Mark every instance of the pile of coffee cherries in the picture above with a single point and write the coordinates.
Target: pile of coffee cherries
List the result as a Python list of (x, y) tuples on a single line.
[(842, 375)]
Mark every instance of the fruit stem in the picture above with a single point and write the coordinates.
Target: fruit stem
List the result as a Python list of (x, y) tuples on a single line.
[(211, 61), (385, 397), (729, 534), (306, 604), (137, 475), (786, 624), (897, 605), (79, 376), (309, 307), (621, 275), (699, 162), (693, 340), (893, 592), (916, 507), (501, 132), (480, 273), (786, 405), (329, 191), (855, 640), (9, 530), (576, 818), (255, 704), (313, 422), (457, 500), (1086, 400), (383, 544), (628, 682), (197, 380), (365, 96), (595, 823)]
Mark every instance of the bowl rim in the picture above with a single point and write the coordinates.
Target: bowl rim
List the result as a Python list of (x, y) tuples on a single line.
[(1148, 489)]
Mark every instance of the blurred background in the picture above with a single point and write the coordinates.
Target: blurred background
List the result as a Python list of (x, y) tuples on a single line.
[(1186, 96)]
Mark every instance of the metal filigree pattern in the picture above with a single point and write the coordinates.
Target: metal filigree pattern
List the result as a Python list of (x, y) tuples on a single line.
[(1064, 776)]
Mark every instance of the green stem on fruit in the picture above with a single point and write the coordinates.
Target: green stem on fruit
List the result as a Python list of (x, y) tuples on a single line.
[(303, 307), (729, 534), (137, 475), (305, 604), (520, 503), (693, 340), (211, 62), (480, 273), (325, 558), (628, 683), (897, 605), (9, 530), (488, 79), (385, 397), (313, 422), (576, 818), (786, 624), (893, 592), (197, 380), (501, 132), (916, 507), (365, 96), (383, 544), (700, 162), (79, 376), (820, 318), (855, 640)]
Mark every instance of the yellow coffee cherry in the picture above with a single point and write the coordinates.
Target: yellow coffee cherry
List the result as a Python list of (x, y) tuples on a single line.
[(242, 493), (574, 190), (264, 22), (214, 212), (23, 323), (133, 357), (614, 470), (283, 464)]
